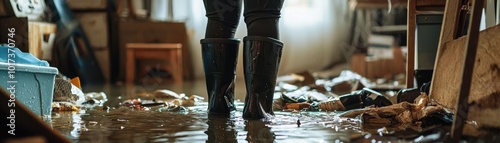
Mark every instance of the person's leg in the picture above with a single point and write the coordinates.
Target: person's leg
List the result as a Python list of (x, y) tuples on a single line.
[(223, 18), (262, 17), (261, 56), (220, 53)]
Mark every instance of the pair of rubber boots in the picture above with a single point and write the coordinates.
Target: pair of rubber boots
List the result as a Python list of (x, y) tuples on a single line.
[(261, 58)]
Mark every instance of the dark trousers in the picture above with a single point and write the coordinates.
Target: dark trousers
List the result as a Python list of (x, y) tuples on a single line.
[(261, 17)]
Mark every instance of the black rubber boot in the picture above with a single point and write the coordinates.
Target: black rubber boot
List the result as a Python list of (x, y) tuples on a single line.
[(261, 58), (219, 62)]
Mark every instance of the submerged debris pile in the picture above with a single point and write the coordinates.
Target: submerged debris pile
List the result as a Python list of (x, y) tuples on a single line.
[(350, 95), (164, 100), (301, 92), (68, 96), (404, 114)]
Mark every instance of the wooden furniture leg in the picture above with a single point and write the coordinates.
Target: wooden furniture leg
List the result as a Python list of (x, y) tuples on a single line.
[(410, 58), (468, 64), (130, 71), (179, 75)]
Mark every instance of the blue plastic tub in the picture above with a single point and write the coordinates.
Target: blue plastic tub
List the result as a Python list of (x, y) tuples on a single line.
[(34, 86)]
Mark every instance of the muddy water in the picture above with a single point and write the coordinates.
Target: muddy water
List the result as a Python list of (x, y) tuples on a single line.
[(125, 125)]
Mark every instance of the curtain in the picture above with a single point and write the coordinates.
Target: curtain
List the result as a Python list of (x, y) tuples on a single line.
[(314, 32)]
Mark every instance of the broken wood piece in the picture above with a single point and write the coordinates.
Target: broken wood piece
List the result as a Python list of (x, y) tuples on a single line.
[(485, 84)]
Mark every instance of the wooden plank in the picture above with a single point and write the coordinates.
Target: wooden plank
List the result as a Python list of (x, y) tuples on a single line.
[(410, 59), (421, 3), (87, 4), (95, 26), (450, 20), (448, 31), (485, 84), (430, 6), (462, 106)]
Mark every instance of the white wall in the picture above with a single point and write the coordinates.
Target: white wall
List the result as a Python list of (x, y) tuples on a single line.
[(313, 32)]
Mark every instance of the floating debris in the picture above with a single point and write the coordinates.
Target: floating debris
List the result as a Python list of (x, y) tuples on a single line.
[(142, 105), (358, 99), (164, 93), (297, 106), (401, 113), (64, 91), (96, 96), (64, 106)]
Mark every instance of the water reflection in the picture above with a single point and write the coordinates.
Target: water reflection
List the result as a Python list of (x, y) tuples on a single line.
[(221, 128), (224, 129), (258, 131)]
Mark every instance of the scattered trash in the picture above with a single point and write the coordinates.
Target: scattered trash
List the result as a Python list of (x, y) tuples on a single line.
[(166, 94), (297, 106), (190, 101), (64, 91), (304, 78), (166, 100), (358, 99), (401, 113), (96, 96), (67, 97), (294, 93), (322, 94), (139, 104), (64, 106)]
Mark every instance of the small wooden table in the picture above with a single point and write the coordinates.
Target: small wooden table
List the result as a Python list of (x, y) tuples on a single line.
[(171, 52)]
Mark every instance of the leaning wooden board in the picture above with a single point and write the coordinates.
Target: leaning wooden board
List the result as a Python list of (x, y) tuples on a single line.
[(484, 98)]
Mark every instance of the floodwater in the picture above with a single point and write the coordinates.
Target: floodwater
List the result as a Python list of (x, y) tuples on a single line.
[(118, 124), (124, 125)]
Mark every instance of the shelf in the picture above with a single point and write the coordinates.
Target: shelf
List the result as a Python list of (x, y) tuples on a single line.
[(390, 29), (373, 4)]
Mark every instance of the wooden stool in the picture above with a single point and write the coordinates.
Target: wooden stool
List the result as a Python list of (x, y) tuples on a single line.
[(158, 51)]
